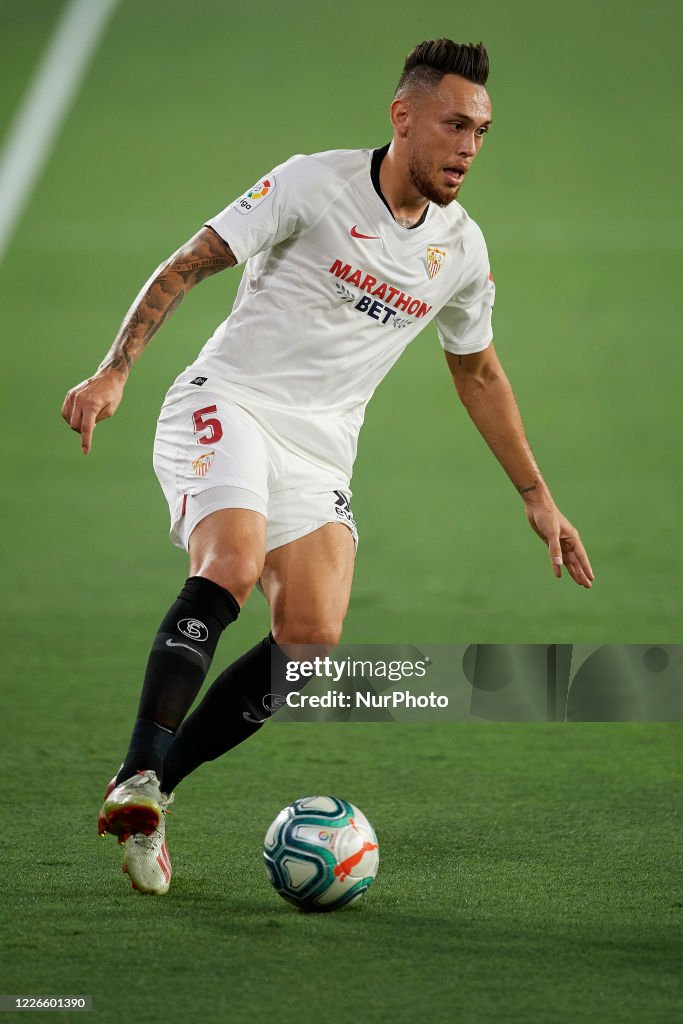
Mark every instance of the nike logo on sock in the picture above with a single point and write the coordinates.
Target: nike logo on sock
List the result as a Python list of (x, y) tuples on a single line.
[(204, 659), (253, 719), (172, 643)]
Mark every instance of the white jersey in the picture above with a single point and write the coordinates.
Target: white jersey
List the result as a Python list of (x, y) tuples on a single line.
[(333, 291)]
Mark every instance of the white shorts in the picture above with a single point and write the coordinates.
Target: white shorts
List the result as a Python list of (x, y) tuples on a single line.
[(210, 454)]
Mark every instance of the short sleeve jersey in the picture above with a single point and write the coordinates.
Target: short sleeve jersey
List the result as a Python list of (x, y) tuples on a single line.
[(332, 293)]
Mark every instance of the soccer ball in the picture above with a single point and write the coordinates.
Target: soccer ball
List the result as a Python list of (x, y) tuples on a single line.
[(321, 853)]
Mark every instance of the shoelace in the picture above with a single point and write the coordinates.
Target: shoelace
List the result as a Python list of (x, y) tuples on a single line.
[(148, 842), (151, 841)]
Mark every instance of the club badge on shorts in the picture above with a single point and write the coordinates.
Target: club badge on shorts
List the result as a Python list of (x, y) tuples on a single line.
[(202, 464), (435, 260)]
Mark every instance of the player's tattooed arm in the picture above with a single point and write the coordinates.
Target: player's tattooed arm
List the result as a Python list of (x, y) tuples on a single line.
[(205, 254), (99, 396)]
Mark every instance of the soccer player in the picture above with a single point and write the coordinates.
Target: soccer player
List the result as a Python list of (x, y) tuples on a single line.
[(348, 255)]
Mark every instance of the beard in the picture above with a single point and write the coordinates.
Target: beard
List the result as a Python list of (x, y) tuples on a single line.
[(425, 184)]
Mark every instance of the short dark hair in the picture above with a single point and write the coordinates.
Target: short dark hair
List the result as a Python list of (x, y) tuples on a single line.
[(427, 63)]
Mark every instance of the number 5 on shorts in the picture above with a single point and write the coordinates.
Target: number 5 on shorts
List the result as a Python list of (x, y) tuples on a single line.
[(202, 421)]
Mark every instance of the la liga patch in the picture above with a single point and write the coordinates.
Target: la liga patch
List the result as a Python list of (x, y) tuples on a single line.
[(256, 195)]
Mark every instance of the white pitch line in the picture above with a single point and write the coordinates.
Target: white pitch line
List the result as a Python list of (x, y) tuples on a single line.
[(45, 106)]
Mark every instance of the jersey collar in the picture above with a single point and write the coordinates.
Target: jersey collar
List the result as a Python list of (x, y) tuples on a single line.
[(377, 157)]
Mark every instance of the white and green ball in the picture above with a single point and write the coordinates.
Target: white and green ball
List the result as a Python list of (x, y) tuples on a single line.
[(321, 853)]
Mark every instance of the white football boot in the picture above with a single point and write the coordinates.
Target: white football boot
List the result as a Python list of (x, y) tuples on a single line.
[(145, 857), (135, 807)]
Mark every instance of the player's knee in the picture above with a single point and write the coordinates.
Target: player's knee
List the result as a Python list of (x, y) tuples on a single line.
[(237, 572), (320, 633)]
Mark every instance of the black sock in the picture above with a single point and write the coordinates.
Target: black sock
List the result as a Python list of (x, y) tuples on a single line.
[(232, 710), (179, 660)]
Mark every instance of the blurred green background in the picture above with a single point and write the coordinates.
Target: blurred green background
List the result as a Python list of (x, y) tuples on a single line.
[(182, 108), (576, 193)]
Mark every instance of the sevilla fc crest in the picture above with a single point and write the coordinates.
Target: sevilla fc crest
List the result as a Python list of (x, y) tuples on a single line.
[(435, 260), (202, 464)]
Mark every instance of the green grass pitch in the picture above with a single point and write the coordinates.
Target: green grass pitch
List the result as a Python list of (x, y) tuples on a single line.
[(529, 873)]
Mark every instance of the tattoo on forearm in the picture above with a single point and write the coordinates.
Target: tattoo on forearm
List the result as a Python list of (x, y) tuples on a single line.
[(203, 256), (214, 261), (525, 490), (121, 362)]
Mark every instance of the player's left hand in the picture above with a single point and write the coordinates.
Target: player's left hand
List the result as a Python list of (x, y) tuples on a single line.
[(563, 541)]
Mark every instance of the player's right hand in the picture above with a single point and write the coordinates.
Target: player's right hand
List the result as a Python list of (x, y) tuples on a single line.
[(92, 400)]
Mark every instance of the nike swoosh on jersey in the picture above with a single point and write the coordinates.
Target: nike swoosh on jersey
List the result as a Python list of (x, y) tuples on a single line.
[(356, 234)]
